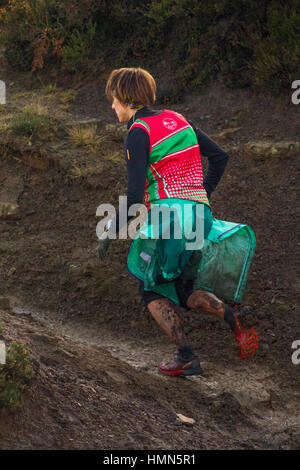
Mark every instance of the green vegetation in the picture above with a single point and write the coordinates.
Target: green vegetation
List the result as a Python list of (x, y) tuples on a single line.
[(277, 56), (30, 123), (80, 43), (15, 376), (243, 42)]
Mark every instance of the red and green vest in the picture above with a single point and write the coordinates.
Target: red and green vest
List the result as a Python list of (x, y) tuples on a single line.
[(175, 169)]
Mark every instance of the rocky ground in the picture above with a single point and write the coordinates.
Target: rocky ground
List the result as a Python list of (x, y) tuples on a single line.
[(94, 347)]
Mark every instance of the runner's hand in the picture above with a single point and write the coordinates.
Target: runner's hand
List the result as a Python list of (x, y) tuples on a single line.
[(103, 245)]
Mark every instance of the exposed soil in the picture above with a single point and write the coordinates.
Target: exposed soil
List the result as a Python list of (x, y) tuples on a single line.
[(94, 346)]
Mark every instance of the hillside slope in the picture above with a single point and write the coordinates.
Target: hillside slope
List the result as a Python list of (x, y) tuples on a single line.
[(95, 348)]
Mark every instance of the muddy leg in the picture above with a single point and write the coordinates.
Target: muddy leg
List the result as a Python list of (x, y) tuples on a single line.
[(168, 319), (170, 322), (209, 303)]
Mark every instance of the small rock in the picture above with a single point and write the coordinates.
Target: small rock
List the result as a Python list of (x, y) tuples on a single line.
[(8, 210), (273, 148), (117, 377), (142, 366), (185, 420), (2, 352), (11, 271)]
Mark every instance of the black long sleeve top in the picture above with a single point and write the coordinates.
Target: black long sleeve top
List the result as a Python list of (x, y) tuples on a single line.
[(137, 151)]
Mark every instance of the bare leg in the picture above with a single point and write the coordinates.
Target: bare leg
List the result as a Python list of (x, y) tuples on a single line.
[(168, 319), (207, 302)]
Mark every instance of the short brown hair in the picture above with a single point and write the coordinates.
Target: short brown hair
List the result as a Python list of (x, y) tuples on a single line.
[(134, 87)]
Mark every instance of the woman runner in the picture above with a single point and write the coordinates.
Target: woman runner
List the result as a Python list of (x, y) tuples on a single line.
[(162, 153)]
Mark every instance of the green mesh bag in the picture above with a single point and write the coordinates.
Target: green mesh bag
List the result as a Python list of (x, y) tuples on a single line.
[(220, 266)]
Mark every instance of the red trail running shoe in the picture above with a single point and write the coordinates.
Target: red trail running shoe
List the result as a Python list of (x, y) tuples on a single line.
[(181, 367), (247, 340)]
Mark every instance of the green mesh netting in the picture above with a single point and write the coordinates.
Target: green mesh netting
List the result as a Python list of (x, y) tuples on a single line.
[(220, 266)]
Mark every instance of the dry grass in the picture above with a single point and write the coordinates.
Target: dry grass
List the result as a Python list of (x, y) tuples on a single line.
[(47, 98), (3, 126), (82, 172), (33, 122), (23, 95), (58, 95), (76, 172), (85, 136), (5, 116), (67, 96), (37, 108), (115, 156), (50, 89), (65, 107)]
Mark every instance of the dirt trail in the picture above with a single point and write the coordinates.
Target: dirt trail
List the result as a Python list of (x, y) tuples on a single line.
[(95, 347)]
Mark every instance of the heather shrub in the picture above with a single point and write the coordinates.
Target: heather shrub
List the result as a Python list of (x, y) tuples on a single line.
[(242, 42), (30, 123), (15, 375), (276, 57), (38, 33)]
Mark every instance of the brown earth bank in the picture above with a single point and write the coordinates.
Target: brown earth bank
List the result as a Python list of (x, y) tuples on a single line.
[(95, 348)]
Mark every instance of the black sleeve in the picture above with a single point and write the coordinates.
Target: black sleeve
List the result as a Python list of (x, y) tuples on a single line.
[(137, 150), (217, 160)]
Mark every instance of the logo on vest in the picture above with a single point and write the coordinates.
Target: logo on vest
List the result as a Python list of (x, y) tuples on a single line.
[(170, 124)]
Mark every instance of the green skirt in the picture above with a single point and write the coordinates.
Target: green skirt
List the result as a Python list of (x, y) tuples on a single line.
[(219, 262)]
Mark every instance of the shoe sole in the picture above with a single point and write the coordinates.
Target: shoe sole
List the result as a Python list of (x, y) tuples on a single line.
[(183, 372)]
